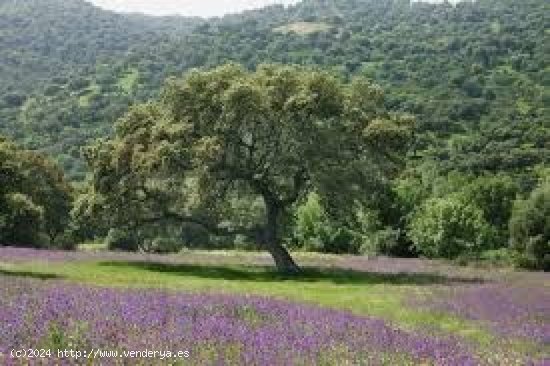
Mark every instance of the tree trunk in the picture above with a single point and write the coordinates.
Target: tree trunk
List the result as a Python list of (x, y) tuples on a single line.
[(282, 258)]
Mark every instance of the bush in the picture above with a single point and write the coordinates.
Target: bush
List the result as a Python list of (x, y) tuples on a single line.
[(385, 241), (242, 242), (118, 239), (314, 231), (376, 238), (164, 245), (502, 257), (21, 220), (530, 228), (448, 227), (495, 196), (65, 241), (35, 198)]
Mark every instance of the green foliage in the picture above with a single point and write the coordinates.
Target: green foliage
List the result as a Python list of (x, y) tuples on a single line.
[(35, 199), (314, 231), (53, 194), (84, 223), (501, 257), (385, 241), (165, 245), (147, 240), (303, 28), (495, 195), (530, 228), (118, 239), (475, 73), (59, 339), (327, 283), (20, 220), (447, 227), (271, 136)]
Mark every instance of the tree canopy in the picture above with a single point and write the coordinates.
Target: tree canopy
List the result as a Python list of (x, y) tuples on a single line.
[(474, 74), (35, 198), (276, 134)]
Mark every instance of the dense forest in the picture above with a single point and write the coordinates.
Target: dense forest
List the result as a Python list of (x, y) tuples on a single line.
[(470, 180)]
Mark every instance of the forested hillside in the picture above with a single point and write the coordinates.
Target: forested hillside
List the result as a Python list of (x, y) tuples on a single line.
[(66, 71), (475, 74)]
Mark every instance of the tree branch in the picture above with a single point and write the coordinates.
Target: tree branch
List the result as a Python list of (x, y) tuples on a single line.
[(208, 226)]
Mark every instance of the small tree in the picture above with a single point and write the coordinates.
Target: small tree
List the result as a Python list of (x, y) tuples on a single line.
[(21, 221), (275, 134), (53, 193), (313, 229), (35, 198), (447, 227), (495, 196), (530, 227)]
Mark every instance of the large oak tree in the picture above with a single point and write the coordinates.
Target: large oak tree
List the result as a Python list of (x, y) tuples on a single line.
[(275, 134)]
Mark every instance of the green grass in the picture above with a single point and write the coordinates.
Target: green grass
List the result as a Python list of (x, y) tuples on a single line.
[(128, 80), (380, 295), (364, 293), (84, 100), (303, 28), (93, 246)]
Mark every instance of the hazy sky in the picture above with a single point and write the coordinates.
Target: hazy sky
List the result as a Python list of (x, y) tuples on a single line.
[(204, 8)]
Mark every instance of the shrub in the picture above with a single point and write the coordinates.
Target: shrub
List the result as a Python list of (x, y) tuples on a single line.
[(118, 239), (448, 227), (314, 231), (502, 257), (530, 228), (242, 242), (194, 236), (65, 241), (375, 237), (20, 220), (35, 198), (165, 245), (495, 196), (385, 241)]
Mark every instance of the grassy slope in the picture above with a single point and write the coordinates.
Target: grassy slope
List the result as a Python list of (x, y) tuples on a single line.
[(128, 81), (303, 28), (365, 293)]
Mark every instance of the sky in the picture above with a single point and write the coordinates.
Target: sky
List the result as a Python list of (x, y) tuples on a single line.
[(203, 8)]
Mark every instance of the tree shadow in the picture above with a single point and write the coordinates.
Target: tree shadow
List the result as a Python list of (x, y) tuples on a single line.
[(308, 274), (27, 274)]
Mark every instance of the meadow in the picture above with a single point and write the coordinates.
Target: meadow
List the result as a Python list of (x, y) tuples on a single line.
[(373, 130), (234, 308)]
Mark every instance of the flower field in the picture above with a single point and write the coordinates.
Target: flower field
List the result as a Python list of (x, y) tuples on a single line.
[(234, 329), (512, 311), (44, 304)]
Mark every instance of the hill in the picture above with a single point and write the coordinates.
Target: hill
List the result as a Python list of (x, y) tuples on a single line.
[(476, 75), (65, 70)]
